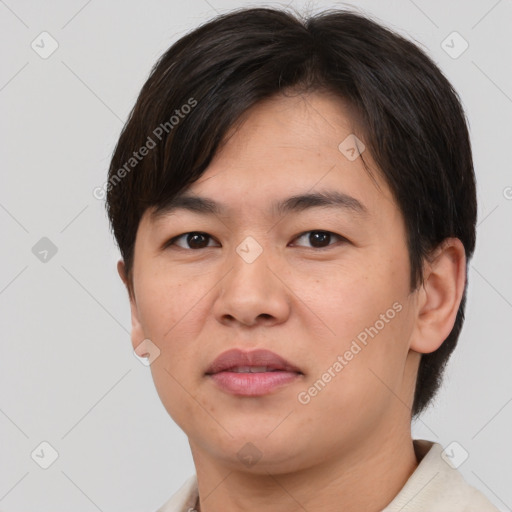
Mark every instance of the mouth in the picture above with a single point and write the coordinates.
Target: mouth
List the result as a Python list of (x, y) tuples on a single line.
[(254, 373), (252, 369)]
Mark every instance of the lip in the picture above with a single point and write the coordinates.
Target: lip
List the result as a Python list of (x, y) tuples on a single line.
[(252, 384), (259, 357)]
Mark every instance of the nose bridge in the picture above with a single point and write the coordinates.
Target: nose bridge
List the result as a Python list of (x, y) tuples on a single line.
[(250, 289), (250, 266)]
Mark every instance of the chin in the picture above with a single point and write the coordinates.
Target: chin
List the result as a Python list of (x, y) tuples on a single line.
[(259, 454)]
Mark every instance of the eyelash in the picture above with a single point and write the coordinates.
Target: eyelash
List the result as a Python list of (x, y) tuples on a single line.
[(172, 241)]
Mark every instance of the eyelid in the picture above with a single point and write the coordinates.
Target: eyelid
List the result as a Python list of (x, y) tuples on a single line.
[(339, 237), (173, 240)]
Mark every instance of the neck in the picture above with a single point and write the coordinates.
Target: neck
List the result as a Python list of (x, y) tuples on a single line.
[(367, 478)]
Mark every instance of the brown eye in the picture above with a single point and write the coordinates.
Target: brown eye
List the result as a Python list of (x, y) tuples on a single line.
[(319, 239), (192, 240)]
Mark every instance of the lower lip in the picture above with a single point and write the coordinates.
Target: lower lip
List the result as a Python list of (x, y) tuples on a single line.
[(253, 384)]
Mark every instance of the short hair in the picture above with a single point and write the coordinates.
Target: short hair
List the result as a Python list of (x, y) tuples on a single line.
[(410, 117)]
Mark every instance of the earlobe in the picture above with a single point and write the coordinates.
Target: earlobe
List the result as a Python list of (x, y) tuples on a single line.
[(440, 296), (137, 334)]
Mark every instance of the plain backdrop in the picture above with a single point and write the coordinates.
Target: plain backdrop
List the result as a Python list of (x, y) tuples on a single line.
[(68, 376)]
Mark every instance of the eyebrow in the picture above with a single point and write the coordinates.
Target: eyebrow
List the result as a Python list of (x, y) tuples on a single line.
[(296, 203)]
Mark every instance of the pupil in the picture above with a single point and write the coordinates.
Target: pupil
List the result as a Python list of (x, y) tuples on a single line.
[(319, 236), (194, 236), (316, 238)]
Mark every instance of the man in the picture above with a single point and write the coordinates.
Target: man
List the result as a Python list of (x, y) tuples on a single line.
[(294, 202)]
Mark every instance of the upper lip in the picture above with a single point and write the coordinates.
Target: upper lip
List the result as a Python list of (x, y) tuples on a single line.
[(236, 357)]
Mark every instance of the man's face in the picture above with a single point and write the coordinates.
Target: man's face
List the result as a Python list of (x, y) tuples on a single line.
[(324, 287)]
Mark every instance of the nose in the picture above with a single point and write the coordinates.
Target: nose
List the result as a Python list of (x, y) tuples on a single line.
[(251, 294)]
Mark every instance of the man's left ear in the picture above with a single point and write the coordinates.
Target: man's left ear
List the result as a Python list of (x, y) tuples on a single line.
[(440, 295)]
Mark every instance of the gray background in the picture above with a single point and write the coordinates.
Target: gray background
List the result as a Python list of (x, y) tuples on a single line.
[(68, 375)]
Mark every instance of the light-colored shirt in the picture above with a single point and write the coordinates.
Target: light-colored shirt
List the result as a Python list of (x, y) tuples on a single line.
[(434, 486)]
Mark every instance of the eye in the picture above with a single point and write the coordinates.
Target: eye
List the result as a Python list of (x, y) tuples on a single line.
[(319, 239), (193, 240)]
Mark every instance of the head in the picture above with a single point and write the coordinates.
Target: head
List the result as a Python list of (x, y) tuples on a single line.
[(248, 110)]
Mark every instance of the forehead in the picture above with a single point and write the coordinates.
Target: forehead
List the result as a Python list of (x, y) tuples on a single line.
[(286, 154)]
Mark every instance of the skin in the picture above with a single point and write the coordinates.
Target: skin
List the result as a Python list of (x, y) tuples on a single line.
[(350, 447)]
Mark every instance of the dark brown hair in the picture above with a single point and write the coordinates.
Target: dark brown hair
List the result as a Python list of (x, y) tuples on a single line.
[(411, 121)]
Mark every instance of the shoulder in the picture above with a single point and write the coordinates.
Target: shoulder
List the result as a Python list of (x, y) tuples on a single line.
[(184, 499), (437, 485)]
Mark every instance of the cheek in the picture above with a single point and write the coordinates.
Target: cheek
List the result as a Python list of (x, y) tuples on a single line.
[(173, 309), (344, 298), (362, 309), (167, 304), (172, 388)]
